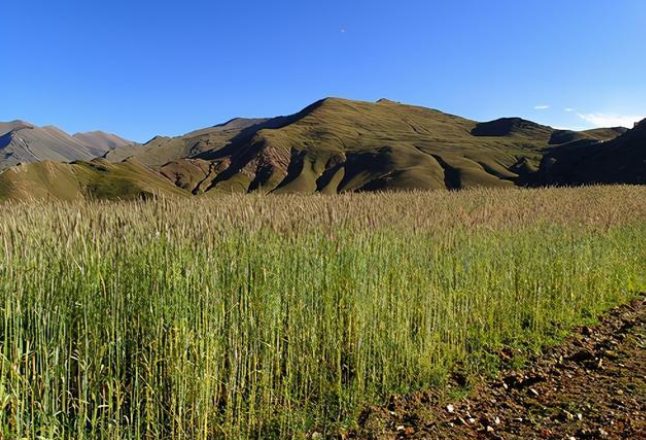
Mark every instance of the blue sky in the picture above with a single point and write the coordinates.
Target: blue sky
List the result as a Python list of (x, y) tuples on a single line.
[(141, 67)]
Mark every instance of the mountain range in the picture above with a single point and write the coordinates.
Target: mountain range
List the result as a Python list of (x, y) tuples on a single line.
[(22, 142), (332, 146)]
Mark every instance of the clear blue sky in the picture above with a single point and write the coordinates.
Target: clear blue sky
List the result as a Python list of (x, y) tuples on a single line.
[(144, 67)]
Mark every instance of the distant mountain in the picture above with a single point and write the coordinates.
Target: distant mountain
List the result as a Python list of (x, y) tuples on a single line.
[(161, 150), (334, 145), (102, 142), (22, 142), (513, 127), (6, 127), (621, 159), (560, 137)]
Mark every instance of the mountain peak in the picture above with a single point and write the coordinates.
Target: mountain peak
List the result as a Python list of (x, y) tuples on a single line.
[(20, 122), (6, 127), (510, 126), (101, 142), (93, 132), (239, 123)]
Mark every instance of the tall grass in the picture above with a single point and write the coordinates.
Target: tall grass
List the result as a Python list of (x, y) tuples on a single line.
[(271, 317)]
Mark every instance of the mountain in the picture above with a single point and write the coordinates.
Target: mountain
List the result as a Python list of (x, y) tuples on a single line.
[(22, 142), (102, 142), (338, 145), (6, 127), (513, 127), (160, 150), (621, 159), (560, 137), (97, 179)]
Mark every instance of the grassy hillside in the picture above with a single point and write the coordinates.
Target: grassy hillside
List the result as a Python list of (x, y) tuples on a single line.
[(278, 317), (98, 179), (337, 145), (161, 149)]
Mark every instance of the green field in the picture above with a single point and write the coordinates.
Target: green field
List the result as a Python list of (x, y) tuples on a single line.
[(245, 317)]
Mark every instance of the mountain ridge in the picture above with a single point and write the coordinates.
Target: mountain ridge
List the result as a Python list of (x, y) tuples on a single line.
[(102, 141), (339, 145), (23, 142)]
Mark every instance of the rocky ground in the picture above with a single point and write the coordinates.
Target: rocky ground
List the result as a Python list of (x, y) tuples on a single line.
[(593, 386)]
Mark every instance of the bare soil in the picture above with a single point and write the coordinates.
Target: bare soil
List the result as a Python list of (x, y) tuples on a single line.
[(593, 386)]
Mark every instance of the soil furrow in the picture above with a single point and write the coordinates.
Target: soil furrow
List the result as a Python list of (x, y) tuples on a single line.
[(593, 386)]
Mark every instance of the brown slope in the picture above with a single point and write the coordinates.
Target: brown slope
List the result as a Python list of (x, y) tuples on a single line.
[(161, 149), (101, 142), (340, 145), (6, 127), (24, 143)]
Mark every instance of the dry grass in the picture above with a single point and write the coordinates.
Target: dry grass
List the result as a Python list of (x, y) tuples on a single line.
[(268, 317)]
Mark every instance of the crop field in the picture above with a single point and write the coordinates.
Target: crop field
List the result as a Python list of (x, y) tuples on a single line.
[(260, 317)]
